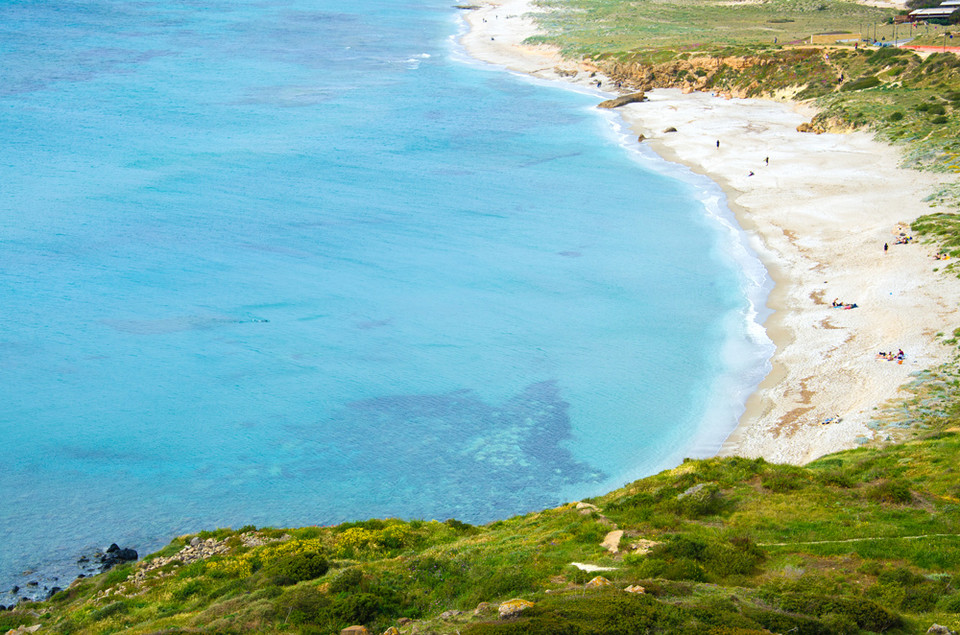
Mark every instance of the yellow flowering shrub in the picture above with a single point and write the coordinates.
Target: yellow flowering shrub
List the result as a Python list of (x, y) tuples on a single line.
[(234, 567), (290, 548), (355, 539), (394, 536)]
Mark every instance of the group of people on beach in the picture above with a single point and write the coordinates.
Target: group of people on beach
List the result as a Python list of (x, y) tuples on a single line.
[(891, 356), (837, 304), (941, 255)]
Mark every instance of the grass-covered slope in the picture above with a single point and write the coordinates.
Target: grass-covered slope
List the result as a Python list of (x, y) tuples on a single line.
[(860, 541), (583, 28)]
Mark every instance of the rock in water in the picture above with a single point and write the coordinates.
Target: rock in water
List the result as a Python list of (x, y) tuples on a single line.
[(623, 100)]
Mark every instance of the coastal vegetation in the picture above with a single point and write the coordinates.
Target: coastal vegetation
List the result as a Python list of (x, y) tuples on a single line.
[(861, 541)]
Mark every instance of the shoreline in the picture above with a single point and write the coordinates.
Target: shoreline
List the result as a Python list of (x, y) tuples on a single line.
[(817, 214)]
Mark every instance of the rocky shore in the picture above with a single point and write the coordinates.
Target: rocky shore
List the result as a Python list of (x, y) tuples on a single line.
[(42, 586)]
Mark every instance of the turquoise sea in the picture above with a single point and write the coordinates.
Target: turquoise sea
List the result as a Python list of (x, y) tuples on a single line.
[(291, 262)]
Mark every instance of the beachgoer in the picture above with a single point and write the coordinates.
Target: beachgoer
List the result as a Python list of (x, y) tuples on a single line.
[(885, 247), (836, 302), (767, 160), (751, 173), (718, 143)]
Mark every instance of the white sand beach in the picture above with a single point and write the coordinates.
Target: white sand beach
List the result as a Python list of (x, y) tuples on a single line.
[(818, 215)]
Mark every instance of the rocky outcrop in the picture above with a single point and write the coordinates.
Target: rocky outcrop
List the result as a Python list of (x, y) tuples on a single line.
[(694, 73), (597, 583), (100, 561), (586, 509), (623, 100), (612, 541), (513, 608)]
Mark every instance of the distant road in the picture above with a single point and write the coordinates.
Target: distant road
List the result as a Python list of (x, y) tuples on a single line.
[(933, 49)]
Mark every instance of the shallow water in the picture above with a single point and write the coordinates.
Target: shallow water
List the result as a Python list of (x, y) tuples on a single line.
[(287, 262)]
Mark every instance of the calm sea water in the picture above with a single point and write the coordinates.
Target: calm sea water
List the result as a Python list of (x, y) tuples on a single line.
[(290, 262)]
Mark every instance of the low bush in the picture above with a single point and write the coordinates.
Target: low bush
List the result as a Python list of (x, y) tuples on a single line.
[(187, 589), (894, 491), (297, 567), (704, 499), (784, 479), (869, 81), (347, 580), (866, 614), (114, 608), (303, 604), (599, 614)]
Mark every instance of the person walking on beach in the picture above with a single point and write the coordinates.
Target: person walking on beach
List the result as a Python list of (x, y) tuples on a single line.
[(885, 247), (718, 143)]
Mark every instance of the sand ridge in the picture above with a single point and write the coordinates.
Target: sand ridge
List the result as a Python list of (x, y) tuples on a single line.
[(817, 209)]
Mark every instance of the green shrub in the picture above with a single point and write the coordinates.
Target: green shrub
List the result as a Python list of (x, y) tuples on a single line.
[(684, 569), (347, 580), (459, 527), (939, 120), (864, 613), (836, 478), (114, 608), (895, 116), (949, 603), (597, 614), (894, 491), (869, 81), (778, 622), (187, 589), (303, 604), (115, 576), (357, 608), (782, 478), (10, 621), (907, 591), (840, 624), (591, 533), (297, 567), (704, 499)]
